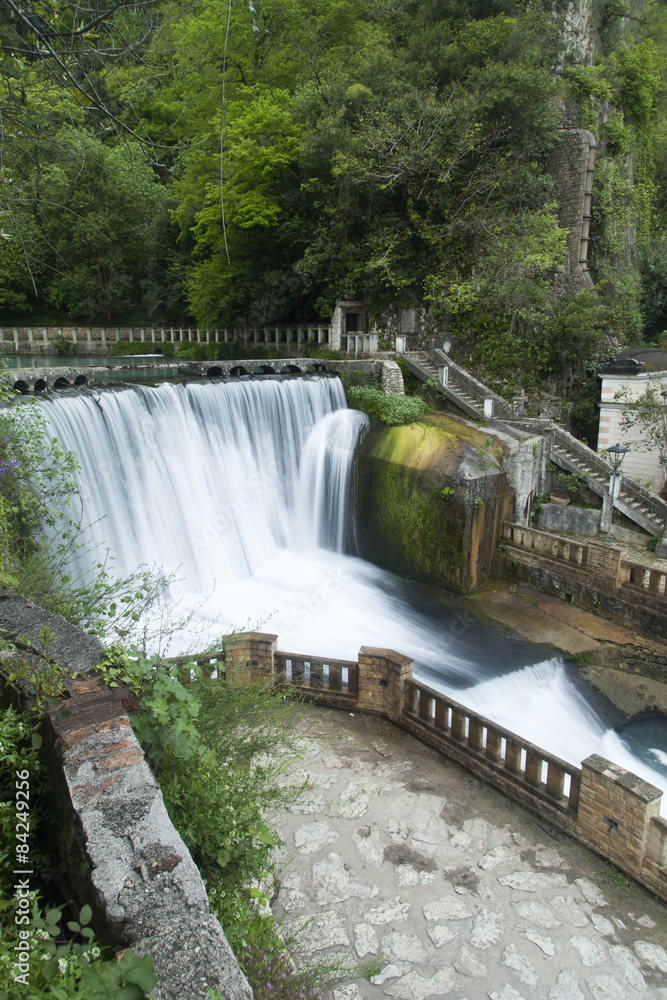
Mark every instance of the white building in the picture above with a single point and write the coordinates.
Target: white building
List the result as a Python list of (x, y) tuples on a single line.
[(624, 379)]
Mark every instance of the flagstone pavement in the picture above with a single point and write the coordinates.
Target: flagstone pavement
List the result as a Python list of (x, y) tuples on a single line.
[(437, 885)]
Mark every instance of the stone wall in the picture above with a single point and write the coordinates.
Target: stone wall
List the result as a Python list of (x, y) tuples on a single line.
[(591, 575), (123, 855)]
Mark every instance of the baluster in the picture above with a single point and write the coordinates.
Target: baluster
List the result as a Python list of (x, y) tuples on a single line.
[(425, 706), (533, 768), (555, 781), (441, 714), (335, 677), (513, 757), (475, 734), (411, 699), (458, 725), (298, 671), (494, 743), (316, 674)]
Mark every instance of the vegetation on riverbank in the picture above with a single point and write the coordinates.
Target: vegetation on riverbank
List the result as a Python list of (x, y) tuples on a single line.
[(234, 163)]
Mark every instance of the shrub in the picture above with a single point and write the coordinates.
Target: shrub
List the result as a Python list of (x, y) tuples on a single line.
[(392, 410)]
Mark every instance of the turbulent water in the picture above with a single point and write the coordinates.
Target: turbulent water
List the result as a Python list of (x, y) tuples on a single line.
[(241, 490)]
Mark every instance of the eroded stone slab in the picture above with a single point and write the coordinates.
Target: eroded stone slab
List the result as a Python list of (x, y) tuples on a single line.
[(308, 804), (369, 844), (487, 929), (628, 965), (506, 993), (537, 913), (407, 876), (335, 884), (450, 907), (365, 940), (602, 925), (548, 858), (513, 959), (500, 855), (404, 947), (312, 837), (591, 892), (568, 908), (392, 912), (606, 987), (415, 987), (545, 944), (326, 930), (533, 881), (468, 964), (590, 952), (566, 987), (389, 972), (441, 934), (355, 798), (652, 954)]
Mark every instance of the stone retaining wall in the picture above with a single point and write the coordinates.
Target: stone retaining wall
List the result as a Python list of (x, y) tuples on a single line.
[(123, 854), (591, 575)]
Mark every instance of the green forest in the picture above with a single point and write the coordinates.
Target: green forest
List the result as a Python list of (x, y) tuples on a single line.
[(231, 162)]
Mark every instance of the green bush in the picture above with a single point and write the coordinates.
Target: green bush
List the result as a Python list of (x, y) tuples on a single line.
[(392, 410)]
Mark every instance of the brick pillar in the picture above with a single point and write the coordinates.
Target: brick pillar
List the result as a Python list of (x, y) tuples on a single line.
[(382, 677), (615, 812), (250, 659), (604, 561)]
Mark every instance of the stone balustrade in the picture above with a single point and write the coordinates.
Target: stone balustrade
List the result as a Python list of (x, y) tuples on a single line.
[(97, 339), (533, 770), (643, 578), (554, 547), (492, 404), (603, 561), (340, 677), (601, 804)]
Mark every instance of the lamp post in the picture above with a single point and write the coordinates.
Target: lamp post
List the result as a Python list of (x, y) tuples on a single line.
[(616, 454)]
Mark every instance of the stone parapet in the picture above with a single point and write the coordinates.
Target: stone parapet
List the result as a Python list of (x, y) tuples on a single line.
[(125, 856), (382, 677), (615, 810)]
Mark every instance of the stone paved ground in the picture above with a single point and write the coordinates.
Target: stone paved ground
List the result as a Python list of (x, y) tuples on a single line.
[(440, 886)]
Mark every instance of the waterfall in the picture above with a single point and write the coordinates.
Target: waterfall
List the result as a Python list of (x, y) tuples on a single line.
[(240, 490), (206, 480)]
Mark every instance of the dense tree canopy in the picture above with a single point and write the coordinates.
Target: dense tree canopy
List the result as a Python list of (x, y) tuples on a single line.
[(254, 161)]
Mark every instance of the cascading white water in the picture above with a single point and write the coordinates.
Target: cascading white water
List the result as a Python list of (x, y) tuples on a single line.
[(240, 490)]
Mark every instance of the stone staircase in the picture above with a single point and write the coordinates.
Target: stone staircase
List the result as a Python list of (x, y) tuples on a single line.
[(646, 509), (463, 390)]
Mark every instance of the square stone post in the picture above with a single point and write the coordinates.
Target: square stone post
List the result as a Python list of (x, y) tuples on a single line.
[(615, 812), (383, 674), (250, 659)]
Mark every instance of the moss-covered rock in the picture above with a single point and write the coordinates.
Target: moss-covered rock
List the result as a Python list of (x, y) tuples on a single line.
[(431, 496)]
